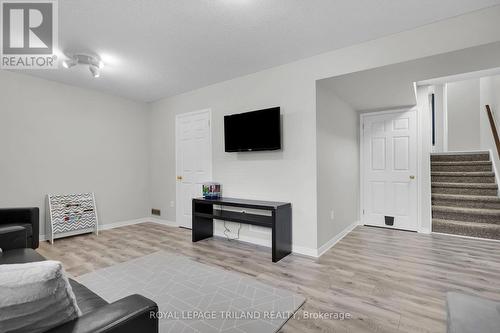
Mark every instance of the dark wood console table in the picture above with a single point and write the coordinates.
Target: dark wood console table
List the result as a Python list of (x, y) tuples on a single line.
[(280, 220)]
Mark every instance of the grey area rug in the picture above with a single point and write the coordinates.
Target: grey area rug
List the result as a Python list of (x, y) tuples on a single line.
[(193, 297)]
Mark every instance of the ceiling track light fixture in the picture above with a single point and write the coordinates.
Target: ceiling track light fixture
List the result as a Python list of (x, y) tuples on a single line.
[(94, 63)]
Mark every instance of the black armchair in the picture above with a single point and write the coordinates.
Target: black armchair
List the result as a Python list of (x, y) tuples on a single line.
[(29, 218), (132, 314)]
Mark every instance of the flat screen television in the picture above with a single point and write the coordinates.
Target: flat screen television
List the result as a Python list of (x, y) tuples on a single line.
[(253, 131)]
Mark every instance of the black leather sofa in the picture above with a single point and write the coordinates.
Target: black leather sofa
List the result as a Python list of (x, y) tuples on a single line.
[(130, 314), (29, 218)]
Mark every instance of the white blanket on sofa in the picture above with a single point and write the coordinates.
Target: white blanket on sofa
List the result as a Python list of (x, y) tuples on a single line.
[(35, 297)]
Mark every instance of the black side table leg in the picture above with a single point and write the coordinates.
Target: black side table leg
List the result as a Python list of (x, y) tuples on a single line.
[(202, 227), (282, 232)]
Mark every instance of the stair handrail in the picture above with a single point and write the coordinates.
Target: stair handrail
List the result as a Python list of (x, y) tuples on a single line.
[(494, 130)]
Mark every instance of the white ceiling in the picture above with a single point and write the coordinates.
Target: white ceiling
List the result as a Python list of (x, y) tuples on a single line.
[(158, 48)]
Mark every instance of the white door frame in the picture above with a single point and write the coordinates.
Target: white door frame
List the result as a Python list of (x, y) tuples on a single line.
[(361, 160), (177, 118)]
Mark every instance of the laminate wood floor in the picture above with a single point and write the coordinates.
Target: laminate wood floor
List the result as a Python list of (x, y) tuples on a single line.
[(387, 280)]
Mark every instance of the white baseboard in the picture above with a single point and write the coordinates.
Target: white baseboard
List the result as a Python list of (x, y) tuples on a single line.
[(302, 250), (113, 225), (305, 251), (467, 237), (119, 224), (495, 170), (162, 222), (267, 243), (246, 239), (424, 230), (328, 245)]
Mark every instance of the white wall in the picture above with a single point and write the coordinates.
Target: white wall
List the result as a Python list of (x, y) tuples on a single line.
[(286, 175), (424, 152), (496, 102), (440, 118), (463, 115), (129, 156), (337, 146), (290, 175), (489, 95), (445, 118), (57, 138)]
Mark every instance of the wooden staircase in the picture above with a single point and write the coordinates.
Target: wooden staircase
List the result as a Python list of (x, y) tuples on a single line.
[(465, 195)]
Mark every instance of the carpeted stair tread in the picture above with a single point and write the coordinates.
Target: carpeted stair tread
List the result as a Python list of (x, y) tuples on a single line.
[(452, 163), (466, 214), (463, 177), (476, 156), (480, 189), (464, 197), (471, 229), (475, 211), (466, 200), (466, 185), (464, 166), (463, 173)]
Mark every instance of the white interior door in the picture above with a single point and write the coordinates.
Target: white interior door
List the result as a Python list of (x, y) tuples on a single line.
[(389, 166), (193, 146)]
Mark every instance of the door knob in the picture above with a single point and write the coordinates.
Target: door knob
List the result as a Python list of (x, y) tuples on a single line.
[(179, 177), (412, 177)]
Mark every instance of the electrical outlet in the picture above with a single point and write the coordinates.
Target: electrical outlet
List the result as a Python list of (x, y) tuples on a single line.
[(156, 212), (172, 203), (332, 215)]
